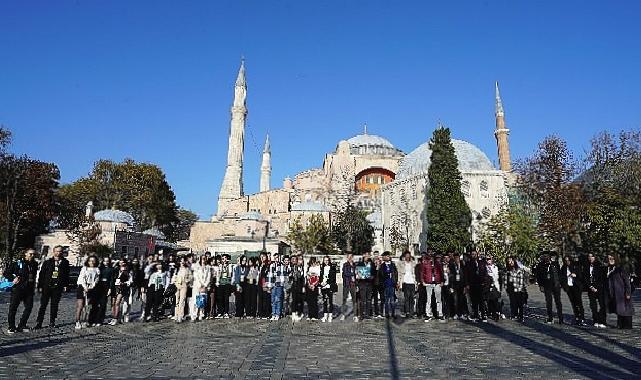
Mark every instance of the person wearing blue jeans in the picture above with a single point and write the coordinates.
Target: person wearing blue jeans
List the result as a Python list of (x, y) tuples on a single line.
[(277, 301), (388, 279), (276, 277)]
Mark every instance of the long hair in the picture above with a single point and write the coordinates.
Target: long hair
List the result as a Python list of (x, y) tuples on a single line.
[(89, 258)]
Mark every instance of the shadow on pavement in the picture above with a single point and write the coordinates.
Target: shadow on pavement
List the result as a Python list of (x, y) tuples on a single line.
[(581, 364), (20, 349), (393, 361)]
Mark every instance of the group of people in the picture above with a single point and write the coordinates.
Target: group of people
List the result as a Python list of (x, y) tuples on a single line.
[(434, 287)]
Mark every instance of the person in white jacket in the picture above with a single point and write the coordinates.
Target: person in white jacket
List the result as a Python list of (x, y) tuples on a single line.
[(158, 282), (183, 280), (85, 294), (202, 280), (407, 276)]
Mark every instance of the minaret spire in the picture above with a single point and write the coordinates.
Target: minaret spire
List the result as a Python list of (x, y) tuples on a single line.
[(232, 187), (501, 133), (266, 167), (499, 103)]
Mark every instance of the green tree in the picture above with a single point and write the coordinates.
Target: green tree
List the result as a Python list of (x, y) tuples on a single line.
[(351, 230), (448, 215), (311, 238), (138, 188), (511, 232), (27, 200), (611, 221), (186, 219)]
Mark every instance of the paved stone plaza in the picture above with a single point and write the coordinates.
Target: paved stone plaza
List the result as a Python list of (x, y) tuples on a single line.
[(341, 350)]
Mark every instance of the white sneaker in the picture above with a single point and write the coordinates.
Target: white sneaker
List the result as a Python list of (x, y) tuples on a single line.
[(78, 326), (113, 322), (331, 316), (355, 319), (324, 319), (126, 319), (342, 317)]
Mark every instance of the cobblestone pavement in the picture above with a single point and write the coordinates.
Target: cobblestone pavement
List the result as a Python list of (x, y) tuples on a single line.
[(340, 350)]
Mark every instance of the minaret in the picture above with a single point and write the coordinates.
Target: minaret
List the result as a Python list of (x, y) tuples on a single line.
[(266, 167), (501, 133), (232, 187)]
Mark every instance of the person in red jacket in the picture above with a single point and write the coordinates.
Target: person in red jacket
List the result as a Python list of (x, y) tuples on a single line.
[(432, 279)]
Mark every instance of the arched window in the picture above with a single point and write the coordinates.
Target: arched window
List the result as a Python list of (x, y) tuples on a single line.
[(465, 188)]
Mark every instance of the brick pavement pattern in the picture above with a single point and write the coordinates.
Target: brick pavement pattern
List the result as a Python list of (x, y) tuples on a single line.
[(372, 349)]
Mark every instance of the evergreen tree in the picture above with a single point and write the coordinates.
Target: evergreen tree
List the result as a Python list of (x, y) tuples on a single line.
[(448, 215)]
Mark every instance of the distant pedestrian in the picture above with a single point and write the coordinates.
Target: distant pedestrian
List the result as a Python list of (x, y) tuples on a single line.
[(548, 277), (620, 292), (388, 277), (311, 288), (573, 284), (349, 286), (515, 285), (328, 287), (595, 277)]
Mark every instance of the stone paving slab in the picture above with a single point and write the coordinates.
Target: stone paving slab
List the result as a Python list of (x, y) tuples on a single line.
[(371, 349)]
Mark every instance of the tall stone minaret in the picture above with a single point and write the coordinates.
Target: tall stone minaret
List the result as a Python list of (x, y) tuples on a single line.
[(501, 133), (232, 187), (266, 167)]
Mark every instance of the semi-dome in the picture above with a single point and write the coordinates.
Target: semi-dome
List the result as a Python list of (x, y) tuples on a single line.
[(375, 219), (367, 139), (154, 231), (470, 158), (310, 206), (115, 216)]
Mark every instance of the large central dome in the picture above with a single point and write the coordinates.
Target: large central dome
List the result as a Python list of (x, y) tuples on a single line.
[(470, 158)]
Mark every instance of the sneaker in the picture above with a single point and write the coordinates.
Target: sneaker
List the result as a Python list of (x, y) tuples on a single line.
[(342, 317), (126, 319), (324, 319), (78, 326), (85, 324), (331, 316), (549, 322), (428, 319), (355, 319), (442, 320), (484, 320), (455, 317), (11, 331), (113, 322), (23, 329)]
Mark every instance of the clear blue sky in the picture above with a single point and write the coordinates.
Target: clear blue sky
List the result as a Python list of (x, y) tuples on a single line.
[(153, 80)]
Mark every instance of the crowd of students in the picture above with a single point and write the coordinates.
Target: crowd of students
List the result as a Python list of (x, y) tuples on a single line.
[(433, 287)]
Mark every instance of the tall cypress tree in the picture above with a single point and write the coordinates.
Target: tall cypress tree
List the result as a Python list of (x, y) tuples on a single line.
[(448, 215)]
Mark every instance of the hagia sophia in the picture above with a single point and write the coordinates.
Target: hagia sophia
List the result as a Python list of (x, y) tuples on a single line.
[(365, 169)]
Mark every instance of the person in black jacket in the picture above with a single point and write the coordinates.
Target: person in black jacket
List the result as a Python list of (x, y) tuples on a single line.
[(105, 288), (457, 286), (594, 275), (572, 283), (52, 281), (547, 275), (23, 275), (365, 282), (474, 272), (328, 287)]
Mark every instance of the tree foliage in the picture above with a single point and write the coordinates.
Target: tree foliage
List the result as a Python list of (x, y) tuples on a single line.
[(548, 180), (611, 221), (314, 237), (138, 188), (352, 231), (186, 219), (27, 198), (511, 232), (448, 215)]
